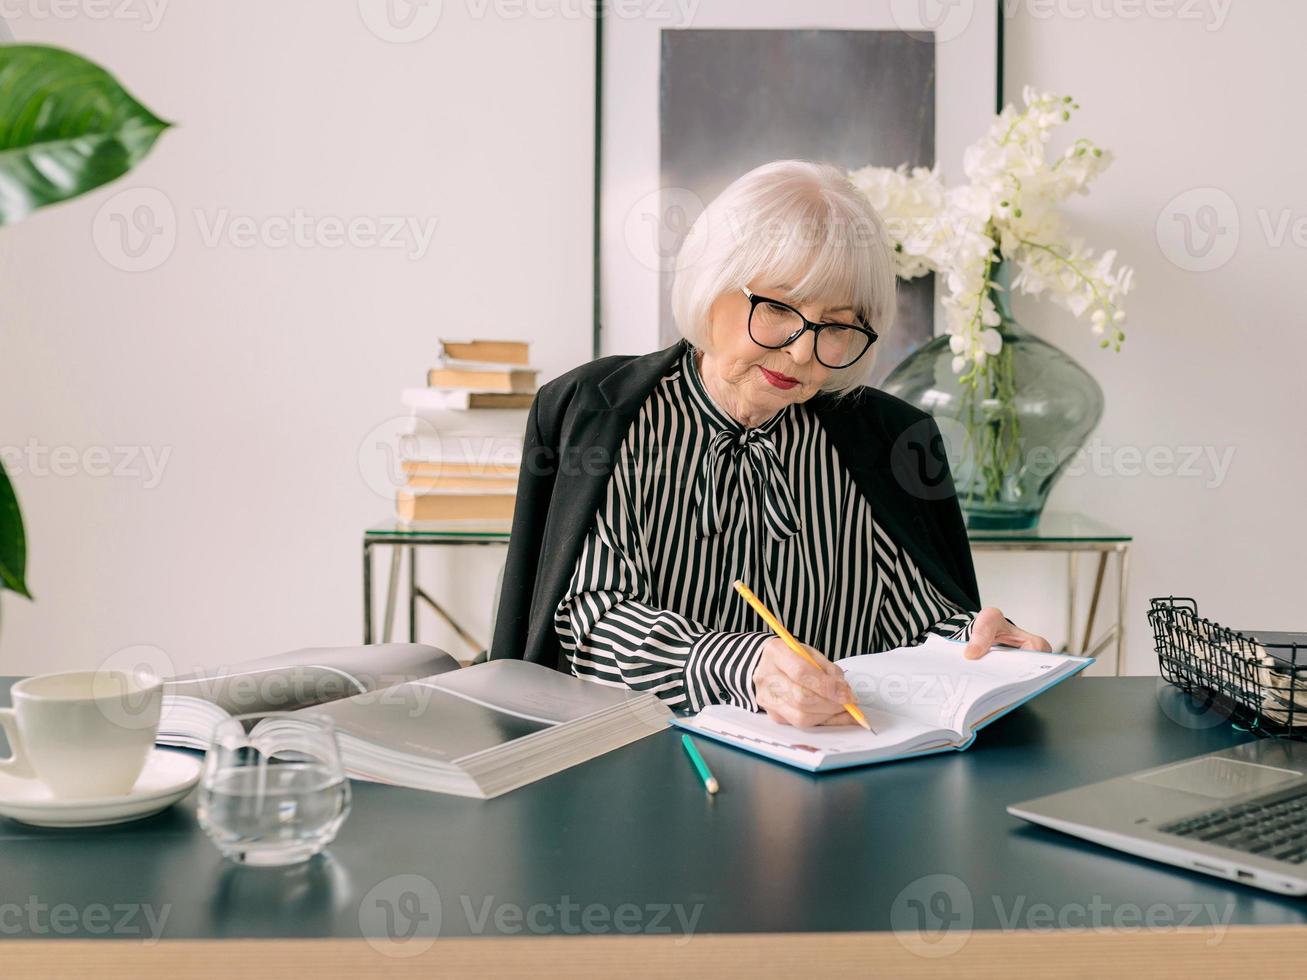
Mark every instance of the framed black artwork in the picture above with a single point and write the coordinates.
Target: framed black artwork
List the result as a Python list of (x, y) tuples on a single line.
[(692, 95)]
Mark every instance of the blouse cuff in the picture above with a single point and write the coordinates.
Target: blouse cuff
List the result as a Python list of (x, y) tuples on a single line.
[(719, 669), (956, 627)]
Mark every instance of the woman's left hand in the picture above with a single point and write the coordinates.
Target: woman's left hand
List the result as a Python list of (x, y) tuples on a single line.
[(991, 627)]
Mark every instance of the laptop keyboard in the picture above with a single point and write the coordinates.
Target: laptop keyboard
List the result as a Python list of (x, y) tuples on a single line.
[(1275, 829)]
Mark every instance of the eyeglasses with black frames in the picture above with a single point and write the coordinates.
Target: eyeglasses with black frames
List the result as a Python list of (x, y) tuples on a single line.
[(773, 324)]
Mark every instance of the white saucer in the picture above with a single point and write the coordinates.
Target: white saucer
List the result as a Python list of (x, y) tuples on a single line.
[(166, 778)]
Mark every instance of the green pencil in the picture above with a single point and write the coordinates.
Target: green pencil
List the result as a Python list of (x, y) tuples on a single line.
[(709, 782)]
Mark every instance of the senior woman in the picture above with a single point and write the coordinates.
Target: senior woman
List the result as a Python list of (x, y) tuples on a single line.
[(748, 450)]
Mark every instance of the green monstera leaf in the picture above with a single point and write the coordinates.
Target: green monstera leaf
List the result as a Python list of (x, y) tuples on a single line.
[(66, 127), (13, 543)]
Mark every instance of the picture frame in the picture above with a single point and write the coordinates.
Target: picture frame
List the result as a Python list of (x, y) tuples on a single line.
[(674, 123)]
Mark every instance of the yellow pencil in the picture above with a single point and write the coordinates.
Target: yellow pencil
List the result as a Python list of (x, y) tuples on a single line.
[(793, 644)]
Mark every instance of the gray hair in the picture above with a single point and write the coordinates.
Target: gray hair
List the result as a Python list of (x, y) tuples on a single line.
[(797, 222)]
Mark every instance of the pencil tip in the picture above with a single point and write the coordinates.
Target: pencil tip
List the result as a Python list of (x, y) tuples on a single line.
[(712, 786)]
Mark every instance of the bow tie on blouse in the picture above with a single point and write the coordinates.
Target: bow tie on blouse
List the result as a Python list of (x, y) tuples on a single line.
[(713, 496)]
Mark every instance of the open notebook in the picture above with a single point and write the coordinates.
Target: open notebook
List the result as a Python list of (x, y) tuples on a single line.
[(920, 699)]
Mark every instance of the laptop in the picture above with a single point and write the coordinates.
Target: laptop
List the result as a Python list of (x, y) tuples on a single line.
[(1240, 814)]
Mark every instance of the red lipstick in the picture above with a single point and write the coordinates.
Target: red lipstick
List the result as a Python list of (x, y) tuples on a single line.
[(778, 380)]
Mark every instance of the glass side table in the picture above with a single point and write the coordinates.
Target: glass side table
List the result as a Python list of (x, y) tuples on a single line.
[(1071, 533), (1074, 534), (401, 538)]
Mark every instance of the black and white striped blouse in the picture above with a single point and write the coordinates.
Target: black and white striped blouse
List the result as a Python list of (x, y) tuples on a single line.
[(696, 501)]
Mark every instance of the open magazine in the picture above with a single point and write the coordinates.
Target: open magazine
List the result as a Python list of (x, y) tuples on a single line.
[(487, 729), (919, 700), (194, 703), (408, 715)]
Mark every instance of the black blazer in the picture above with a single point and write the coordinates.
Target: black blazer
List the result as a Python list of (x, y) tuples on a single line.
[(573, 432)]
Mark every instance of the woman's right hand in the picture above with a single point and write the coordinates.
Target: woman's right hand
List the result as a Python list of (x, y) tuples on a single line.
[(794, 692)]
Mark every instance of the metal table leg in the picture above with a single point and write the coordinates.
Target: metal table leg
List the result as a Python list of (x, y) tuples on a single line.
[(1072, 588), (1122, 573), (367, 592), (443, 613), (415, 591), (1093, 600), (392, 589), (412, 594)]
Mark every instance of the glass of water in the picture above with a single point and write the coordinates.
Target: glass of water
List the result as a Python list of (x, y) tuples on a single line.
[(274, 791)]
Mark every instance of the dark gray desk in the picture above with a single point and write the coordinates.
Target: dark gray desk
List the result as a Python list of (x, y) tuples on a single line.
[(632, 837)]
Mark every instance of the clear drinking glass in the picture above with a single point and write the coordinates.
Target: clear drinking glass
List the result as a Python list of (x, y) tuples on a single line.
[(274, 791)]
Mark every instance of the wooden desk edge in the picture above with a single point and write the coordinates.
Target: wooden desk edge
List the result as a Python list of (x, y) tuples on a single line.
[(1261, 951)]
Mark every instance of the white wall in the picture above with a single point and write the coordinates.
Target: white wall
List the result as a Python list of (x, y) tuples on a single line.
[(261, 371), (1202, 98)]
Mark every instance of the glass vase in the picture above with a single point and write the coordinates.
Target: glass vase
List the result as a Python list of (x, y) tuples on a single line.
[(1012, 434)]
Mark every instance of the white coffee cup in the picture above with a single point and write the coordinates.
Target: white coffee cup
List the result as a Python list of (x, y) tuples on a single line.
[(85, 734)]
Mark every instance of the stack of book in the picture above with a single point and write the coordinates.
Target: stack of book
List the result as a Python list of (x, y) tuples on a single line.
[(463, 451)]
